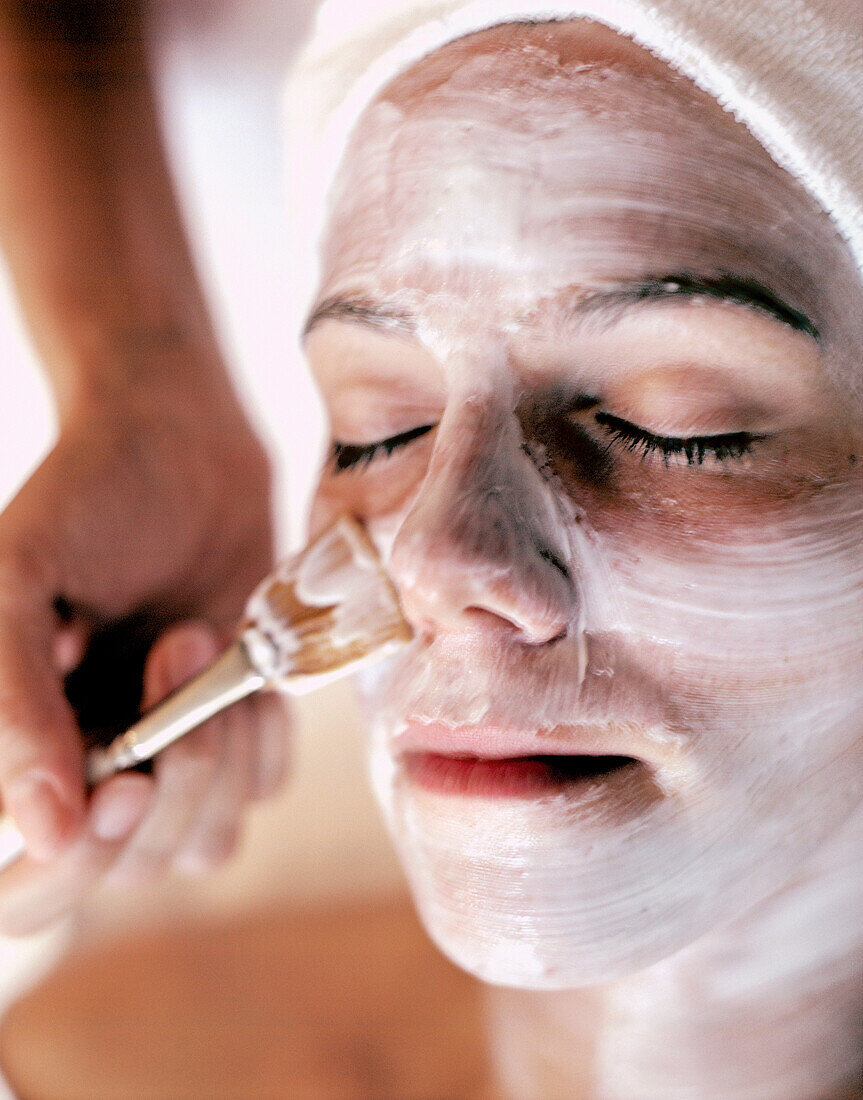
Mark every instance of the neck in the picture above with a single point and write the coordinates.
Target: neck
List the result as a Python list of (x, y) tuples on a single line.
[(766, 1008)]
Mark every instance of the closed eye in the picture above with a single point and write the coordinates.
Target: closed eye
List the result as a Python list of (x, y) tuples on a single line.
[(347, 455), (721, 448)]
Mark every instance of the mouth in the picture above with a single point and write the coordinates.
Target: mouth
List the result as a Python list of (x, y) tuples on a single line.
[(500, 762), (519, 776)]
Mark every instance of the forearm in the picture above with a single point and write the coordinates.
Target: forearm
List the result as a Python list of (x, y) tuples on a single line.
[(88, 218)]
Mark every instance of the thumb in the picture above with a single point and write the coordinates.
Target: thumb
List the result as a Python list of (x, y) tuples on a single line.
[(41, 771)]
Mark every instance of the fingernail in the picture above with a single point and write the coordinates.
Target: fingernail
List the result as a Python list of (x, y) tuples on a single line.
[(43, 817), (116, 818)]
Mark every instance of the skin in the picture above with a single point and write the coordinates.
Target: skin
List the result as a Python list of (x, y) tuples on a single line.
[(126, 558), (572, 594)]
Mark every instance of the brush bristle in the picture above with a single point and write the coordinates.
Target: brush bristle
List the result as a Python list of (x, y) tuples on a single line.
[(321, 651), (327, 609)]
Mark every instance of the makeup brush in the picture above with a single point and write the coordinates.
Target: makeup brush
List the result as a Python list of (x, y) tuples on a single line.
[(319, 616)]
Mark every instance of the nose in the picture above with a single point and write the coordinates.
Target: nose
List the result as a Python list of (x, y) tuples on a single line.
[(482, 544)]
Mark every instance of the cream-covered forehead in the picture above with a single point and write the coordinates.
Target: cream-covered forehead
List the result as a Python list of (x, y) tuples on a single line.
[(539, 65), (572, 163), (800, 93), (518, 92)]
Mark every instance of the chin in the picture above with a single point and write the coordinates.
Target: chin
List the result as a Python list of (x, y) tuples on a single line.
[(527, 956), (561, 891), (504, 937), (536, 894)]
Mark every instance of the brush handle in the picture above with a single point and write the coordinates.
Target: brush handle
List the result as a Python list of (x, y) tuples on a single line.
[(230, 677)]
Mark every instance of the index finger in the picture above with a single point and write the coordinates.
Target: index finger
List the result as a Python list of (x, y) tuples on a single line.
[(41, 760)]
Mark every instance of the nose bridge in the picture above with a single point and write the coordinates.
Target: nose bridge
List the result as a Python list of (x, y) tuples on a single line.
[(483, 534)]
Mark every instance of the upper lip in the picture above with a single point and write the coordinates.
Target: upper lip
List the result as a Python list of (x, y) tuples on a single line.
[(505, 743), (620, 709)]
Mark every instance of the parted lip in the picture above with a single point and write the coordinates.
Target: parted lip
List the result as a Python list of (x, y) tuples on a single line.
[(504, 743), (451, 700)]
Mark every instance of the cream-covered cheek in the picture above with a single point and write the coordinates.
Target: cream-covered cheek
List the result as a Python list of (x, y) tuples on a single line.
[(709, 617)]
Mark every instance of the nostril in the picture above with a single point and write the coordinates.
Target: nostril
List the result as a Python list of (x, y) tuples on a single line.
[(544, 637), (492, 621), (528, 632)]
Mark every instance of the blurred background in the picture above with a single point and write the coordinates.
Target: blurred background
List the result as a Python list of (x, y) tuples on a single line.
[(298, 969)]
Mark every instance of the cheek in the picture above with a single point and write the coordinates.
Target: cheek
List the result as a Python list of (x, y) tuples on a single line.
[(783, 579), (754, 565), (762, 617), (750, 631), (382, 524), (374, 493)]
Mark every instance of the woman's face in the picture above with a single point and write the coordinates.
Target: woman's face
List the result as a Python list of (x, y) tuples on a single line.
[(592, 364)]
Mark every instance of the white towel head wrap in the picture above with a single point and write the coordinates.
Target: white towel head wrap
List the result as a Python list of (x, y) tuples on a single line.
[(790, 70)]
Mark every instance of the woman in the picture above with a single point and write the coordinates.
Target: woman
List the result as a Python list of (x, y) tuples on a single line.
[(591, 362)]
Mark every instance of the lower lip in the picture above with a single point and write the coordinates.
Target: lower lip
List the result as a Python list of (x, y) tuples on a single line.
[(521, 777)]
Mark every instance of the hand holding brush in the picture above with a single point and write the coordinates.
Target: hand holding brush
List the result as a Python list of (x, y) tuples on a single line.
[(318, 617)]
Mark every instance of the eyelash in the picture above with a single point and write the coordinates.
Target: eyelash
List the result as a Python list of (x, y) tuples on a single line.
[(722, 448), (347, 455)]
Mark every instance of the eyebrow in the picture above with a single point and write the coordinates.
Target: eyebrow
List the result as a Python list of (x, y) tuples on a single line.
[(362, 311), (612, 302), (723, 288)]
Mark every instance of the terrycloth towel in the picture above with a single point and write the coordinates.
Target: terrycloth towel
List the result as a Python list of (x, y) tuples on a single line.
[(790, 70)]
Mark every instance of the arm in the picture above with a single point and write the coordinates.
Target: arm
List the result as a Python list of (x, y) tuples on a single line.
[(152, 508), (88, 219)]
